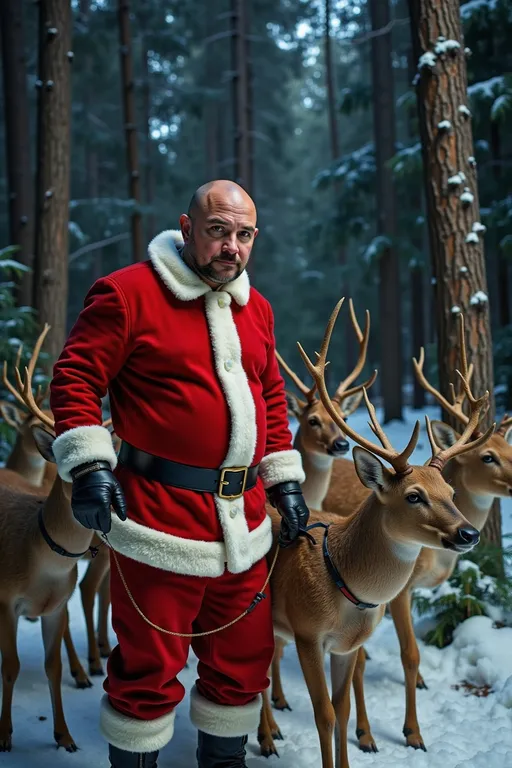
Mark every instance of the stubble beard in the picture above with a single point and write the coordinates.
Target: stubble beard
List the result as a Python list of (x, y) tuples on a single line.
[(207, 271)]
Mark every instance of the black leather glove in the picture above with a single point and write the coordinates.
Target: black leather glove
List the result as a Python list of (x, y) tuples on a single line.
[(95, 489), (287, 498)]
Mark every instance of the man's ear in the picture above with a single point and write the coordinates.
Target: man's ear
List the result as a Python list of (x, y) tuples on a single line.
[(295, 405), (370, 470), (256, 233), (185, 226)]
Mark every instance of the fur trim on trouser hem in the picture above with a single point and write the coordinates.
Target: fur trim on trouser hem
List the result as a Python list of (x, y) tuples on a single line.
[(221, 720), (132, 734)]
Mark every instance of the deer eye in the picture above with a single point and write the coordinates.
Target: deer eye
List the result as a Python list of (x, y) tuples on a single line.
[(313, 422), (414, 498), (488, 459)]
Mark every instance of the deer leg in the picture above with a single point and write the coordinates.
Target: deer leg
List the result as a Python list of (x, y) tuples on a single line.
[(88, 588), (268, 729), (278, 696), (311, 657), (401, 613), (53, 626), (10, 672), (75, 666), (342, 670), (363, 730), (103, 616)]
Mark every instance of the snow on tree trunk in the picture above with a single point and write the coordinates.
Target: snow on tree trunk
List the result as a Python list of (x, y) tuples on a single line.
[(17, 142), (456, 234), (389, 272), (53, 170), (130, 128)]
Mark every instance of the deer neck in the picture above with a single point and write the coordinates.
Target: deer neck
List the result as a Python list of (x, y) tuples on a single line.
[(61, 525), (318, 471), (475, 507), (31, 466), (374, 566)]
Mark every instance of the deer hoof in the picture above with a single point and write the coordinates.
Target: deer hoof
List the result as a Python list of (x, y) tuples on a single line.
[(414, 739), (5, 739), (366, 741), (105, 650), (421, 684), (95, 668), (281, 704), (268, 748), (65, 740)]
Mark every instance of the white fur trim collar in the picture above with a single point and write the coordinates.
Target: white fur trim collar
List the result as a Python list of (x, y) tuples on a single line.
[(188, 556), (221, 720), (132, 734), (180, 279)]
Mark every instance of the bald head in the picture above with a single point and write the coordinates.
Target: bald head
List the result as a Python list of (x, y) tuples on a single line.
[(223, 192), (219, 231)]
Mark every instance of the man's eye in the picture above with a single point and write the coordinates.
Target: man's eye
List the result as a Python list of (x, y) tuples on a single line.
[(245, 235), (216, 228)]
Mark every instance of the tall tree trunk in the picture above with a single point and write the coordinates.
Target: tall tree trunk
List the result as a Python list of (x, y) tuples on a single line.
[(416, 268), (330, 81), (53, 170), (17, 142), (211, 75), (453, 209), (241, 100), (149, 170), (130, 128), (389, 272), (503, 281)]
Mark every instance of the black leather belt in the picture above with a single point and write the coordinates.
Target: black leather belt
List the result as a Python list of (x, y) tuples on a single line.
[(228, 483)]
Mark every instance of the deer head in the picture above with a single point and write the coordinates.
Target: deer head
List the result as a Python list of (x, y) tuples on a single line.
[(487, 469), (40, 422), (416, 501), (319, 434)]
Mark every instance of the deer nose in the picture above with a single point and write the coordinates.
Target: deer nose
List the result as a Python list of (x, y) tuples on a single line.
[(340, 446), (467, 536)]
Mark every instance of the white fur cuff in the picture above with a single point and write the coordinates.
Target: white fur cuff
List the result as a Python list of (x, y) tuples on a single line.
[(134, 735), (281, 467), (80, 445), (220, 720)]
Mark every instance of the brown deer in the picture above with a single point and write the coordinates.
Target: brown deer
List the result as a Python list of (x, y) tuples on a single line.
[(26, 468), (477, 476), (322, 444), (330, 597)]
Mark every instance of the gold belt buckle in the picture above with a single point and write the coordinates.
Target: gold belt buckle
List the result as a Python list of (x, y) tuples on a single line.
[(224, 482)]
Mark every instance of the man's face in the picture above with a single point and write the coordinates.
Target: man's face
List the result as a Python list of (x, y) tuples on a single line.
[(219, 237)]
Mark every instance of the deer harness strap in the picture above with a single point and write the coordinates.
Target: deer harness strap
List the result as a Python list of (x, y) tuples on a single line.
[(56, 547), (335, 574)]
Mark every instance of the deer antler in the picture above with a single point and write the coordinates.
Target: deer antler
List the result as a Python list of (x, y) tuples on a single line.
[(309, 392), (454, 408), (342, 392), (464, 443), (25, 387), (399, 461), (504, 425), (40, 395)]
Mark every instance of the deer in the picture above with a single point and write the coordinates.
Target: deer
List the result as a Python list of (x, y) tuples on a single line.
[(329, 598), (478, 476)]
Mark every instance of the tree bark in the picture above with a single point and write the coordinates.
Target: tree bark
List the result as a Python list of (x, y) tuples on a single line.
[(241, 99), (389, 272), (149, 171), (130, 128), (502, 265), (53, 171), (17, 143), (453, 209)]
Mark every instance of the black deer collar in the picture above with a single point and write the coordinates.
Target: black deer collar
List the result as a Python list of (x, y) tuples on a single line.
[(56, 547)]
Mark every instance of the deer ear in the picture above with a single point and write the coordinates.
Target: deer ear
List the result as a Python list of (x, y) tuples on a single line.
[(508, 436), (370, 470), (295, 405), (44, 441), (445, 436), (12, 415), (350, 404)]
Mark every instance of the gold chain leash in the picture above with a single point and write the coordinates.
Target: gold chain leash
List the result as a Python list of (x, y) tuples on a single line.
[(259, 596)]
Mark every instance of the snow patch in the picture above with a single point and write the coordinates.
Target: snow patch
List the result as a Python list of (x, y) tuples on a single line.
[(427, 60), (467, 196), (478, 299), (472, 237), (444, 125)]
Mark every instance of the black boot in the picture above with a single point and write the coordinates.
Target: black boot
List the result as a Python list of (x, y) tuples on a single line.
[(221, 751), (119, 758)]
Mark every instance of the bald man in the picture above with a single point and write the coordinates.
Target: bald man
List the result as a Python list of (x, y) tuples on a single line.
[(185, 348)]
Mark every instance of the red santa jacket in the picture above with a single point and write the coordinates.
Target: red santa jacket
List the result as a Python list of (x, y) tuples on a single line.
[(192, 376)]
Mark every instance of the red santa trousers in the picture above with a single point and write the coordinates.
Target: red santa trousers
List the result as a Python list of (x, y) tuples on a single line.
[(142, 688)]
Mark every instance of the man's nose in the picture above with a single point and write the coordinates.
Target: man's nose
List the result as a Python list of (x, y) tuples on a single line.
[(230, 244)]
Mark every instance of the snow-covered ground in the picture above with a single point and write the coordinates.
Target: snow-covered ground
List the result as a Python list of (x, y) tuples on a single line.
[(460, 731)]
